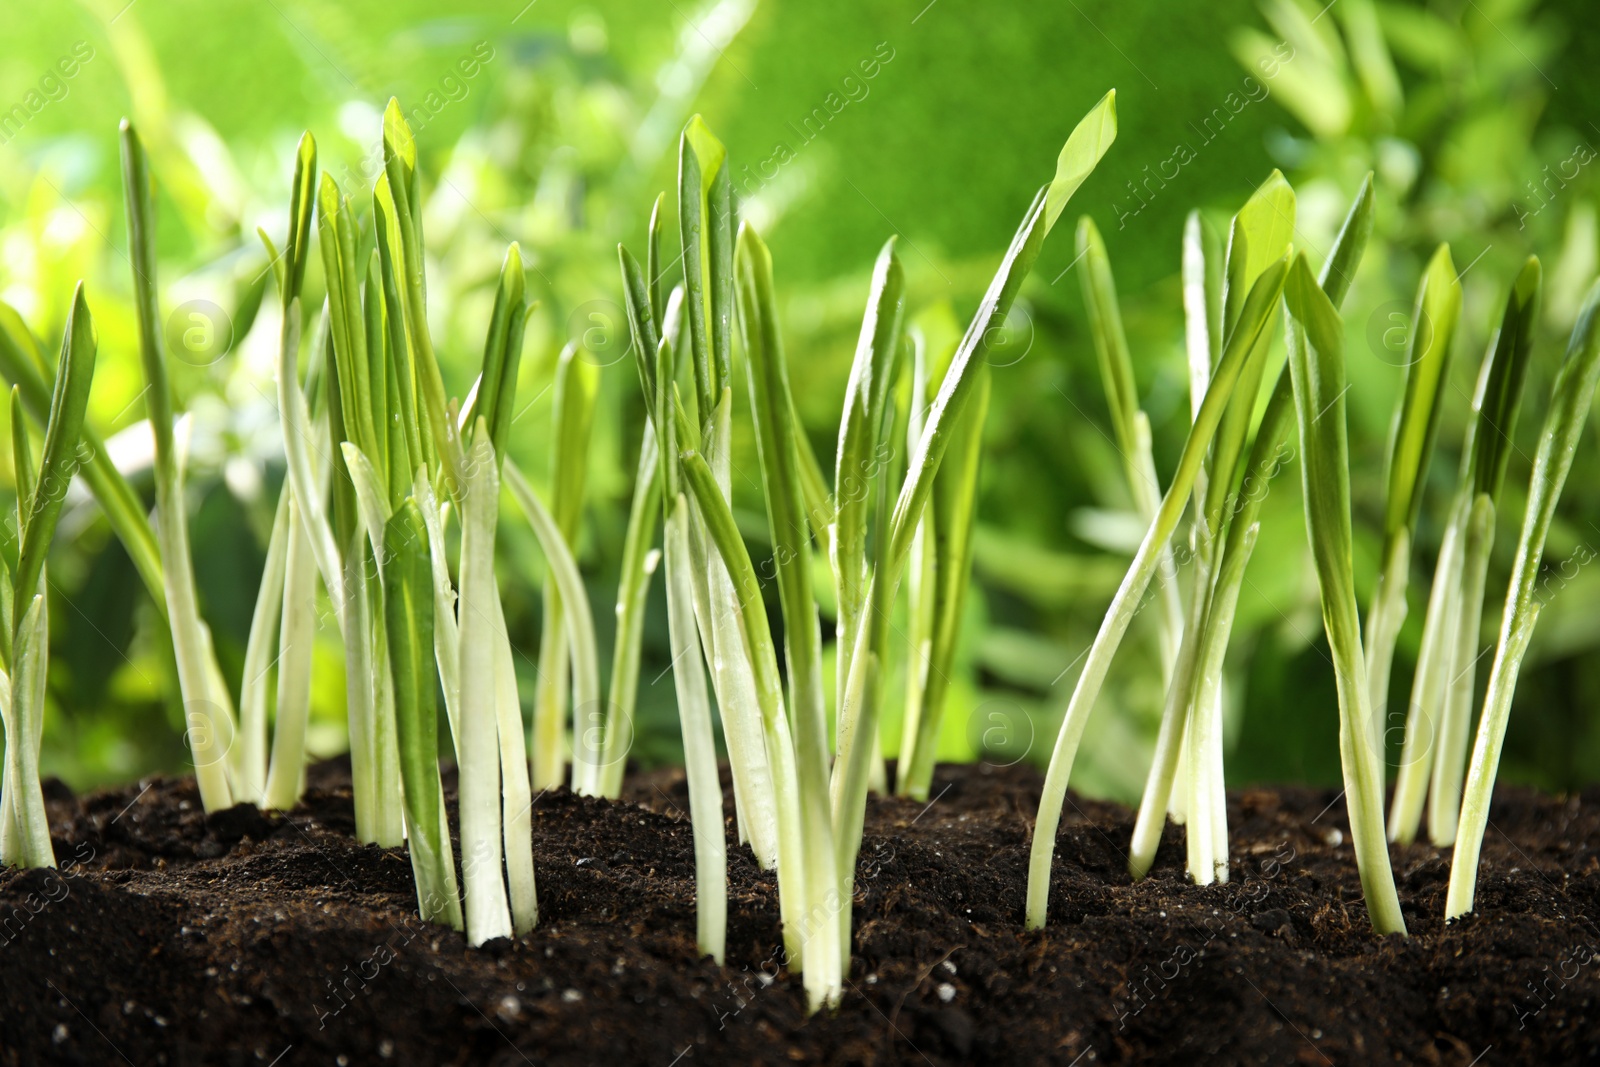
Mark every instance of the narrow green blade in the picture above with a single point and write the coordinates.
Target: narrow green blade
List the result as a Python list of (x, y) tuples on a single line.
[(23, 365), (859, 462), (1318, 375), (1428, 349), (1084, 149), (68, 404), (408, 620), (1110, 343), (1571, 398), (1500, 387), (705, 222)]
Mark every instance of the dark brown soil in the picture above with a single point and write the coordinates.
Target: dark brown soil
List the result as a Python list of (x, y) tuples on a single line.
[(173, 938)]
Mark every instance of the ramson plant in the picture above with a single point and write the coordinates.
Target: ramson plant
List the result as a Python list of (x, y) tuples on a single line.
[(392, 498)]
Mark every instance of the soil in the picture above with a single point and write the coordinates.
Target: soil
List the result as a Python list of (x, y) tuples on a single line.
[(170, 937)]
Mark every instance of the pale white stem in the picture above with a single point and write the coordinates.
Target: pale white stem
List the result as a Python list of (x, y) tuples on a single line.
[(579, 628), (1384, 619), (250, 765), (446, 634), (286, 776), (699, 744), (487, 915), (516, 794), (1434, 658), (30, 844), (1444, 797)]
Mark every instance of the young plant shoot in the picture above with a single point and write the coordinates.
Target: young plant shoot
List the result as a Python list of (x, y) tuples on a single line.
[(949, 519), (287, 598), (639, 562), (689, 657), (489, 411), (576, 386), (1206, 641), (864, 448), (24, 829), (772, 410), (699, 743), (1242, 351), (1316, 364), (1259, 235), (1433, 755), (1130, 426), (1416, 426), (896, 533), (706, 245), (487, 914), (207, 707), (357, 406), (408, 622), (22, 363), (1570, 400)]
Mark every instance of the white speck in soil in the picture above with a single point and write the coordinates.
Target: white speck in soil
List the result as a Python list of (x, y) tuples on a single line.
[(60, 1034), (571, 996), (947, 965), (386, 1048), (947, 992), (1334, 837), (509, 1008)]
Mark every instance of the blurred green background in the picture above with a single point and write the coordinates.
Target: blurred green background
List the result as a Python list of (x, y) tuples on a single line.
[(554, 124)]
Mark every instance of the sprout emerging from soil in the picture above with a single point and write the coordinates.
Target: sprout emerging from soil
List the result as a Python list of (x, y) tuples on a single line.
[(1243, 351), (1416, 427), (1570, 399), (1433, 755), (1316, 363), (207, 707), (24, 829), (818, 809), (381, 459), (1191, 695)]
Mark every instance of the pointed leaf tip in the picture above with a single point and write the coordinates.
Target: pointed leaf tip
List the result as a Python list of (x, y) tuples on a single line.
[(1311, 306), (708, 150), (397, 136), (1442, 262), (1529, 280), (1083, 151)]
